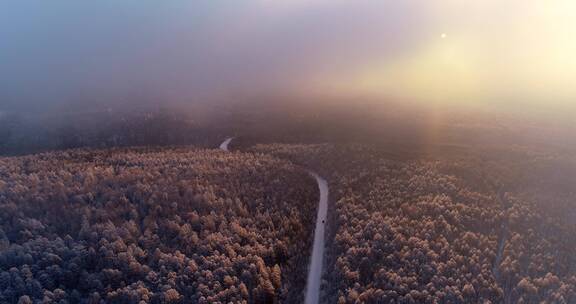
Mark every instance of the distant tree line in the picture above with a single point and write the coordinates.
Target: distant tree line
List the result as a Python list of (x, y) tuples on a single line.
[(25, 134)]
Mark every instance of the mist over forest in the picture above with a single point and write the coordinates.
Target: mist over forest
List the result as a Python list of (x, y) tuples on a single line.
[(287, 119), (304, 151)]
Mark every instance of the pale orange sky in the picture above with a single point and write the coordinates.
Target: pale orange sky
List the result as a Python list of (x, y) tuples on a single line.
[(435, 51), (477, 51)]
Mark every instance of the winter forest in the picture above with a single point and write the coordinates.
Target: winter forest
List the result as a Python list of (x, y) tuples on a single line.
[(288, 152), (182, 221)]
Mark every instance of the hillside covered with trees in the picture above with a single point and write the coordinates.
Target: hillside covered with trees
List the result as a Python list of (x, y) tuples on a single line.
[(153, 225), (490, 227)]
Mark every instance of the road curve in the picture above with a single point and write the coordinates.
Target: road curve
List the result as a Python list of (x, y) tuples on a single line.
[(315, 271), (224, 145)]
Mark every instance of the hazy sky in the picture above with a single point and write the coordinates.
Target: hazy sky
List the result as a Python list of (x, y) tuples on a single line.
[(458, 51)]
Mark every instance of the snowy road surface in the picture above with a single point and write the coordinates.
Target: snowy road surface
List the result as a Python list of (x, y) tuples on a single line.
[(224, 145), (315, 270)]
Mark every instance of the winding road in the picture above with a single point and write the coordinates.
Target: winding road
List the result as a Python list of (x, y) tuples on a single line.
[(315, 272), (224, 145), (316, 261)]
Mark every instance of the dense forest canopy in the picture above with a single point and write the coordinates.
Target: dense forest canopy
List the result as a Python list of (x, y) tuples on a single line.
[(463, 211), (465, 230), (153, 226)]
